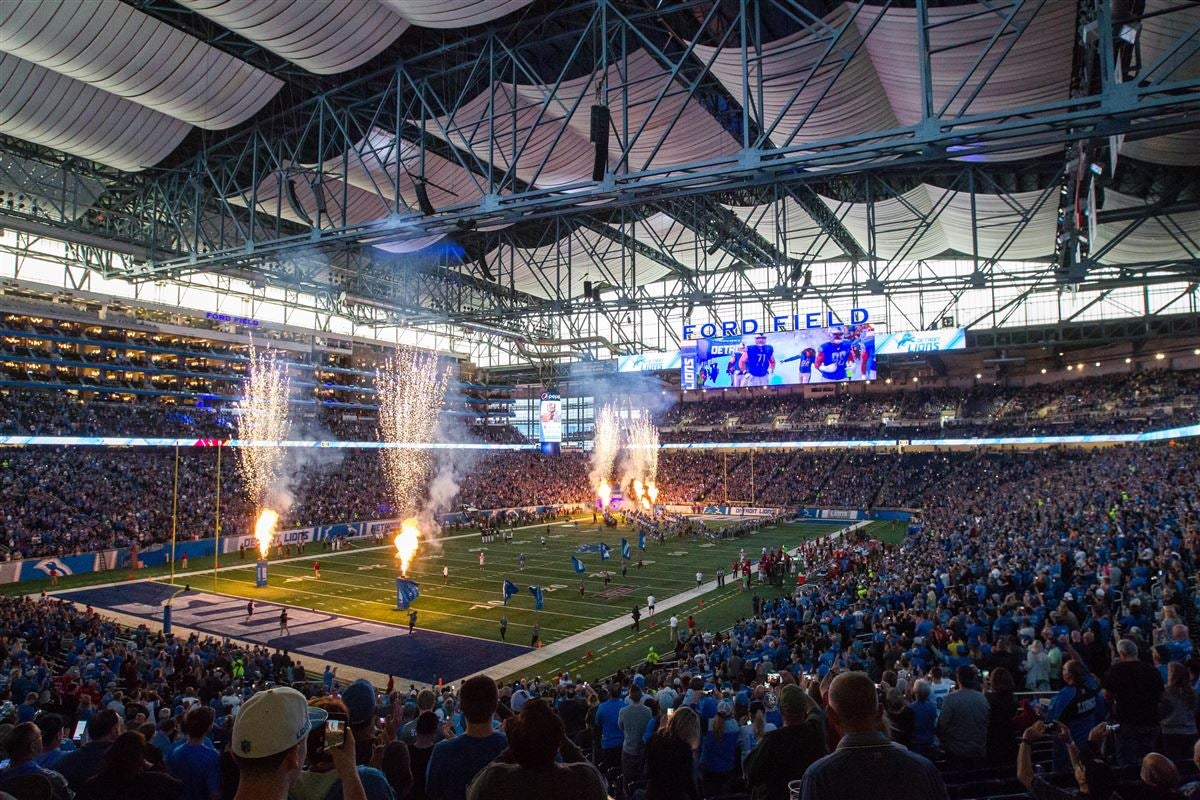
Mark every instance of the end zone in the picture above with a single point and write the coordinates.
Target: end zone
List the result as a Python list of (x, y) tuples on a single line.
[(423, 656)]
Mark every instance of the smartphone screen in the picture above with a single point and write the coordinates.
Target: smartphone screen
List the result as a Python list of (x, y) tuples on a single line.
[(80, 729), (335, 730)]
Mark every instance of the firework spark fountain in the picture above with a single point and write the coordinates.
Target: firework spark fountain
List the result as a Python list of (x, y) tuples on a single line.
[(606, 441), (263, 420), (642, 459), (411, 389)]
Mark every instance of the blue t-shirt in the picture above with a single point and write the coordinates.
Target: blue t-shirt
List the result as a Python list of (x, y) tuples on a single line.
[(454, 763), (835, 353), (758, 359), (198, 767), (607, 717)]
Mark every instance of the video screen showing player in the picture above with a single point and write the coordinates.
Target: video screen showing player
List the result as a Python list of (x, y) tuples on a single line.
[(758, 362), (780, 358)]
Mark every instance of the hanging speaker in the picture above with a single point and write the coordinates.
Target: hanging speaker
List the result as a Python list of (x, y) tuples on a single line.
[(599, 137), (423, 199), (587, 289), (319, 196), (289, 187)]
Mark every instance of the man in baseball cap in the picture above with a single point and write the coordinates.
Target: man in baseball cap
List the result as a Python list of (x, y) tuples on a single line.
[(269, 743)]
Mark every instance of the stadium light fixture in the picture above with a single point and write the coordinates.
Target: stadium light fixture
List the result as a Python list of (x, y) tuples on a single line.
[(1196, 352), (1069, 367), (1097, 363), (1128, 360), (916, 378), (1159, 356), (1079, 365), (888, 381), (1043, 370), (978, 376)]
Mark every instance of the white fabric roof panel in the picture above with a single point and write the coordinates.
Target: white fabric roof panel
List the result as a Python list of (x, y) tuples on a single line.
[(517, 132), (372, 168), (787, 225), (325, 37), (453, 13), (1036, 70), (896, 224), (849, 103), (112, 46), (41, 106), (997, 217), (1159, 31), (1160, 238), (633, 85), (361, 207)]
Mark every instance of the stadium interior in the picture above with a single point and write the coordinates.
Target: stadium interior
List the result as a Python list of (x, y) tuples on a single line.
[(600, 399)]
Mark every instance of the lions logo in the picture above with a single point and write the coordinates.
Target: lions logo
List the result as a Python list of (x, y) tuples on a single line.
[(44, 565)]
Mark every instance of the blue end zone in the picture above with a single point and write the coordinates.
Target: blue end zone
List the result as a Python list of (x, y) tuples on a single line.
[(422, 656)]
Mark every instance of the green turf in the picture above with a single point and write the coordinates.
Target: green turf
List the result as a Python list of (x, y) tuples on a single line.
[(360, 583)]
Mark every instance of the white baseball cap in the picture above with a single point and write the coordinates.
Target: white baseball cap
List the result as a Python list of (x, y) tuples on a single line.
[(271, 722)]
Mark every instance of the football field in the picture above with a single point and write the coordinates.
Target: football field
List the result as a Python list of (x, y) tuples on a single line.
[(349, 614)]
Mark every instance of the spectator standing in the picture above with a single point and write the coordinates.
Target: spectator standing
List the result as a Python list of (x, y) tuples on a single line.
[(195, 763), (323, 780), (1135, 688), (124, 774), (718, 751), (609, 723), (963, 724), (457, 760), (782, 756), (1002, 705), (1177, 714), (102, 730), (421, 749), (866, 763), (670, 758), (535, 736), (632, 720), (925, 713)]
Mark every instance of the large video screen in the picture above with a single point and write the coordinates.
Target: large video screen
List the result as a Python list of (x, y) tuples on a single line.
[(783, 358)]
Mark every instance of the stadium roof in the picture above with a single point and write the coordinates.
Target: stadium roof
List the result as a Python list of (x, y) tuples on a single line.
[(670, 156)]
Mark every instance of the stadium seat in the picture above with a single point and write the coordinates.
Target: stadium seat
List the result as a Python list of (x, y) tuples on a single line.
[(28, 787)]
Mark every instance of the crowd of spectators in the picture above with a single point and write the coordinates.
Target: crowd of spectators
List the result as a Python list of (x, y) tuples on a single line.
[(1037, 612), (1099, 404)]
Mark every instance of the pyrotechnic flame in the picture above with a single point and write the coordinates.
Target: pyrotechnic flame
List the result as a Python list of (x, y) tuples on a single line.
[(264, 530), (606, 441), (652, 493), (645, 504), (604, 492), (408, 540), (639, 488)]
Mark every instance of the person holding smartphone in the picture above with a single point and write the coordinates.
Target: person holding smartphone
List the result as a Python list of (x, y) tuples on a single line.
[(330, 769)]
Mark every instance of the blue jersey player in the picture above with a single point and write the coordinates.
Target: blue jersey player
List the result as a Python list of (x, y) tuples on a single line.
[(758, 362), (807, 357), (833, 357)]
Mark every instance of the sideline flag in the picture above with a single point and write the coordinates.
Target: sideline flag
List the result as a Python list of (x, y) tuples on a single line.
[(578, 566), (605, 552), (537, 597), (406, 592), (626, 550), (641, 540), (510, 589)]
